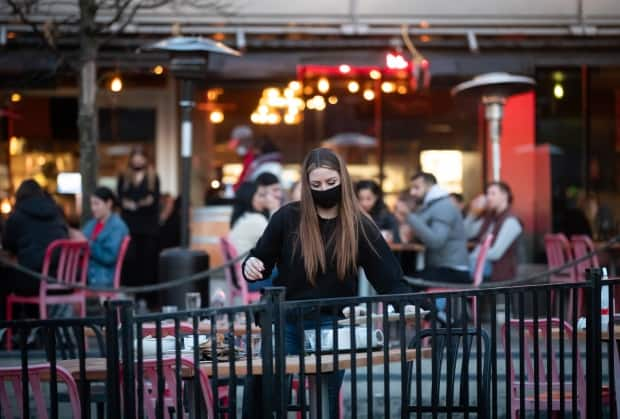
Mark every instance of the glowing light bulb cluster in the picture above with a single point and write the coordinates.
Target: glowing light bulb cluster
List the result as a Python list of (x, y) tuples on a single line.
[(277, 105)]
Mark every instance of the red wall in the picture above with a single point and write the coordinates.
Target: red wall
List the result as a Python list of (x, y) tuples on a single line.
[(529, 181)]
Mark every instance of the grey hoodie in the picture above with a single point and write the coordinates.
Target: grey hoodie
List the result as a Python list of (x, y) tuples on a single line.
[(438, 224)]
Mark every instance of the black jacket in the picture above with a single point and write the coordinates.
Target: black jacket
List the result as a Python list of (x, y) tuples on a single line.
[(33, 225)]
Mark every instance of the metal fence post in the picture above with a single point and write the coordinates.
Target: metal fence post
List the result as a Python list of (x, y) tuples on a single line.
[(593, 347), (273, 315), (112, 309)]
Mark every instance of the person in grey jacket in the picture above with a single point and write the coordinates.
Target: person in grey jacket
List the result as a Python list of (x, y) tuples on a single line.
[(438, 224)]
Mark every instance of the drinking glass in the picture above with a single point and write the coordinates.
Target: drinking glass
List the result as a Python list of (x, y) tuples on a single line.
[(192, 301)]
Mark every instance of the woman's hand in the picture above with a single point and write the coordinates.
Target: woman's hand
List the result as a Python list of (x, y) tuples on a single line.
[(253, 269)]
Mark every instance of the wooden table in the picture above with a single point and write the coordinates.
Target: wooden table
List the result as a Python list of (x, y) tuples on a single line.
[(96, 369), (186, 328)]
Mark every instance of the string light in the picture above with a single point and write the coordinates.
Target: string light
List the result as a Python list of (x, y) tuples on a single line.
[(116, 85), (375, 74), (323, 85), (217, 117), (332, 100), (353, 86), (369, 94), (388, 87), (344, 68), (16, 97), (158, 70)]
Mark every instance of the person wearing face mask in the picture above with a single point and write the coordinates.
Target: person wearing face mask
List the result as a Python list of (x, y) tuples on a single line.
[(438, 224), (138, 194), (242, 141), (105, 233), (499, 220), (318, 245)]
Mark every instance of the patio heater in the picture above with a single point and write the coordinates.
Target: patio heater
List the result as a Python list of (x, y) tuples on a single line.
[(189, 64), (494, 89)]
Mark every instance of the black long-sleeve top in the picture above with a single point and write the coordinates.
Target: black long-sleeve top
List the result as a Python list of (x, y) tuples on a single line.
[(276, 247)]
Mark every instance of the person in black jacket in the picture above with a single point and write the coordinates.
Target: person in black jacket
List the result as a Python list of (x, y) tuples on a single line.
[(318, 245), (370, 197), (138, 193), (35, 222)]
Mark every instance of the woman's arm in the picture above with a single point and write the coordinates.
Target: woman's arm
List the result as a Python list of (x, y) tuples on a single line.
[(507, 234), (380, 265), (268, 247)]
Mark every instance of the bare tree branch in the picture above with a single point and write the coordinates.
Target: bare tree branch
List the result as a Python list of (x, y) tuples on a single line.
[(120, 11), (22, 16)]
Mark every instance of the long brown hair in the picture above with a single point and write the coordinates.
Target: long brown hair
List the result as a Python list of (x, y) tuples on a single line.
[(346, 235)]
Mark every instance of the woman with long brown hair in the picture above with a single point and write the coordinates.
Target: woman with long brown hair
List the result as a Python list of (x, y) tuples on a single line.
[(318, 245)]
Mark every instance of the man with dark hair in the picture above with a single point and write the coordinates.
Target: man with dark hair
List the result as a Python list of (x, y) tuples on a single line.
[(269, 184), (438, 224)]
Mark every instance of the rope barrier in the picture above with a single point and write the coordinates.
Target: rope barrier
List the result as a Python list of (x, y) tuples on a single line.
[(531, 280), (128, 290), (199, 276)]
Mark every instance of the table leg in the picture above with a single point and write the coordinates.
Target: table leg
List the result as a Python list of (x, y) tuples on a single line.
[(314, 403)]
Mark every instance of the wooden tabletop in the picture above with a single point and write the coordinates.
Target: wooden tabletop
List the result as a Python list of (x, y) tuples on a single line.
[(407, 247), (392, 317), (186, 328), (96, 367)]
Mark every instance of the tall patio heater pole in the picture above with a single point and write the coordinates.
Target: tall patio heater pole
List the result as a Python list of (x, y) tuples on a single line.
[(189, 64), (493, 90)]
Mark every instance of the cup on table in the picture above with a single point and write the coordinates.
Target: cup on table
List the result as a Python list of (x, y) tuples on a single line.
[(192, 301)]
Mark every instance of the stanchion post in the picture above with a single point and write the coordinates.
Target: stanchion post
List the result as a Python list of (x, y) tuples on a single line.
[(273, 317), (593, 347)]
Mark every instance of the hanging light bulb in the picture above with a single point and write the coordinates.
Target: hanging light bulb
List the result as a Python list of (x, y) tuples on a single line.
[(16, 97), (369, 94), (158, 70), (323, 85), (116, 85), (332, 100), (375, 74), (402, 89), (344, 68), (353, 86), (294, 85), (217, 117), (388, 87), (558, 91)]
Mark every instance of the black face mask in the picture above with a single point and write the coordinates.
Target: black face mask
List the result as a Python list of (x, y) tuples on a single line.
[(328, 198)]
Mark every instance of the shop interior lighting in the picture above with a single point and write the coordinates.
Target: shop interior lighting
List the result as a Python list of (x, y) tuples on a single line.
[(323, 85), (353, 86), (116, 84), (216, 117)]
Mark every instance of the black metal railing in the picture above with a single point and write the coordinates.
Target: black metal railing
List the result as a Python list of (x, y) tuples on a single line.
[(409, 355)]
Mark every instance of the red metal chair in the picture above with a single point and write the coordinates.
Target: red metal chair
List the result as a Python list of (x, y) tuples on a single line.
[(118, 270), (235, 283), (478, 274), (528, 357), (559, 253), (150, 392), (13, 377), (72, 269), (582, 245)]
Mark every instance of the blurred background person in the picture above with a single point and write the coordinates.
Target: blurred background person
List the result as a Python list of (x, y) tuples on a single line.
[(268, 159), (169, 222), (242, 141), (459, 201), (498, 220), (35, 222), (270, 186), (370, 197), (437, 224), (105, 234), (138, 194), (248, 222)]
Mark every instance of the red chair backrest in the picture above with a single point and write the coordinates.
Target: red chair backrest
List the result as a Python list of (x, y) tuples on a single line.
[(559, 253), (118, 271), (12, 376), (481, 259), (583, 245), (151, 391), (527, 355), (72, 263)]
